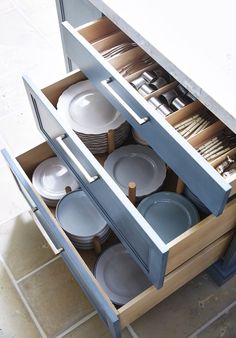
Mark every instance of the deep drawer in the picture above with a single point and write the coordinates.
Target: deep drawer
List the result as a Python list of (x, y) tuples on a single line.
[(194, 243), (83, 47), (154, 256)]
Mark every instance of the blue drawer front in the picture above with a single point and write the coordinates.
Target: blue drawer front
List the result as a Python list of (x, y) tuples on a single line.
[(197, 174)]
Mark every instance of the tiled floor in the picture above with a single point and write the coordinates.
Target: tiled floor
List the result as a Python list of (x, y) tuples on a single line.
[(38, 295)]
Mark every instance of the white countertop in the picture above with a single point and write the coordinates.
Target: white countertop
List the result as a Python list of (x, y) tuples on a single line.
[(194, 41)]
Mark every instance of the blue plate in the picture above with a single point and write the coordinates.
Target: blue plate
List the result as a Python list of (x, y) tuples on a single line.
[(169, 214)]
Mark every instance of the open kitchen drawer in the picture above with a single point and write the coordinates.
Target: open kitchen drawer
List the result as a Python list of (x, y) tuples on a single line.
[(168, 266), (84, 45), (217, 231)]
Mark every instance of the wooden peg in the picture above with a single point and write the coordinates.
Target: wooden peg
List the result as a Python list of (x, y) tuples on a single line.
[(97, 246), (111, 140), (68, 189), (132, 192), (180, 186)]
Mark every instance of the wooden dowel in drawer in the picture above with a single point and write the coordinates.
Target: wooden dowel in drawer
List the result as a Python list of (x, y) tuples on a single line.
[(132, 192), (97, 245), (68, 189), (111, 140), (179, 186)]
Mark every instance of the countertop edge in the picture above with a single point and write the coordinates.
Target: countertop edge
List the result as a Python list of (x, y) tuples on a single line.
[(224, 115)]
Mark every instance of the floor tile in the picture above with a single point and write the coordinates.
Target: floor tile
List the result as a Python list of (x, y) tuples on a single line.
[(6, 5), (22, 246), (55, 298), (92, 326), (19, 132), (224, 327), (13, 98), (12, 201), (33, 13), (187, 309), (15, 321), (24, 48)]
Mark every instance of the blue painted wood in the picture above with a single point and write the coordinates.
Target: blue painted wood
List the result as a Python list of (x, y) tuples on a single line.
[(69, 254), (189, 165), (125, 220), (77, 12), (230, 255), (221, 274)]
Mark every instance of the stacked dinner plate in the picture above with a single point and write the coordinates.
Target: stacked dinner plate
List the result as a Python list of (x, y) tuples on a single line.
[(119, 275), (51, 178), (81, 220), (91, 116), (139, 164)]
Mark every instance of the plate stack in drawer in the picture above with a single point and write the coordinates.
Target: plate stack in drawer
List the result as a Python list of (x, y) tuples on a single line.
[(81, 221), (92, 117)]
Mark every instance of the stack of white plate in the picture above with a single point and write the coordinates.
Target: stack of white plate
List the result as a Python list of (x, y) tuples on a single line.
[(51, 178), (81, 220), (91, 116), (139, 164)]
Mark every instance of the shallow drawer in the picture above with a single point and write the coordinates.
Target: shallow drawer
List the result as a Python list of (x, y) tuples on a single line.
[(83, 46), (194, 243)]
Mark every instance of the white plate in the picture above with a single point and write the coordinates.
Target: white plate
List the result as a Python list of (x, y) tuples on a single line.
[(78, 216), (139, 164), (51, 177), (119, 275), (87, 111)]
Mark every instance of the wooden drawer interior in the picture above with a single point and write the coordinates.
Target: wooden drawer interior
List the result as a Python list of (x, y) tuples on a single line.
[(113, 38), (189, 254)]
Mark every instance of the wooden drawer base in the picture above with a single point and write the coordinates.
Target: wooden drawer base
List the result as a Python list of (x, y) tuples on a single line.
[(173, 281)]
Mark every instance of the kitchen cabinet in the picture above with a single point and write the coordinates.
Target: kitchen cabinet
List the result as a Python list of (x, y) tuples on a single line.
[(167, 265)]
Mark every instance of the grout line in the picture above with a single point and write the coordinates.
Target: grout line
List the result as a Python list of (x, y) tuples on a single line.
[(29, 22), (212, 320), (8, 10), (31, 313), (132, 332), (37, 269), (80, 322), (22, 211)]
